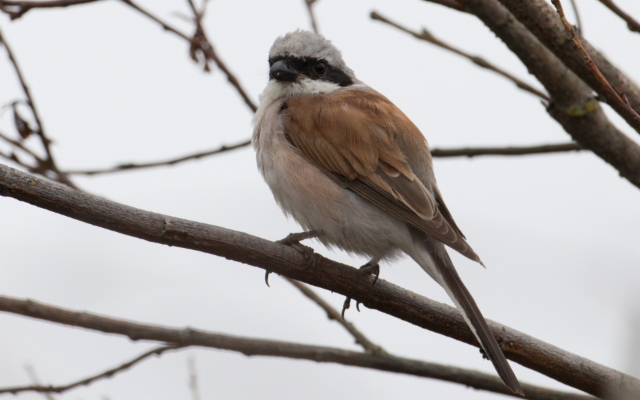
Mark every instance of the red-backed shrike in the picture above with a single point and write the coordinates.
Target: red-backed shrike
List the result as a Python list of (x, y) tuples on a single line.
[(340, 158)]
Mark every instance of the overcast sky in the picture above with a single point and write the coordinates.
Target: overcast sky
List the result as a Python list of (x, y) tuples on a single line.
[(560, 234)]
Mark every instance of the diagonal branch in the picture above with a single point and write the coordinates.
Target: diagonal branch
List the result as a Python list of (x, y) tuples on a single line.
[(49, 163), (620, 100), (333, 314), (479, 61), (260, 347), (633, 25), (542, 20), (568, 368), (88, 381), (312, 16), (572, 103)]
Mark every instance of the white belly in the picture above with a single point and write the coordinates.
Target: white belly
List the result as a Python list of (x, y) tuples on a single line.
[(317, 203)]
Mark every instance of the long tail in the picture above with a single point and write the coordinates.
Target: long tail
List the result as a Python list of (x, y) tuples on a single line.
[(433, 258)]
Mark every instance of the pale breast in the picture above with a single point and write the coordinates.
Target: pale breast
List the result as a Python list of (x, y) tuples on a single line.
[(316, 202)]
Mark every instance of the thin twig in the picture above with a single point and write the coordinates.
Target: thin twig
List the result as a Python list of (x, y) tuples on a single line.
[(334, 314), (633, 25), (481, 62), (193, 379), (561, 365), (262, 347), (16, 9), (172, 161), (455, 152), (579, 26), (31, 371), (49, 163), (312, 17), (21, 146), (87, 381), (507, 151)]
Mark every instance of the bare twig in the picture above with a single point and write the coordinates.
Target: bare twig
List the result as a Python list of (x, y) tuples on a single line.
[(49, 163), (579, 26), (312, 16), (261, 347), (573, 370), (172, 161), (16, 9), (31, 371), (507, 151), (479, 61), (87, 381), (621, 100), (334, 314), (454, 152), (633, 25)]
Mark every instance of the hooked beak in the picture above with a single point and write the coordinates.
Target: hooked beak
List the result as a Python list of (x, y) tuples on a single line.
[(280, 72)]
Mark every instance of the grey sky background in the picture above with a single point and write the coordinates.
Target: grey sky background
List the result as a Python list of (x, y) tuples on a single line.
[(560, 234)]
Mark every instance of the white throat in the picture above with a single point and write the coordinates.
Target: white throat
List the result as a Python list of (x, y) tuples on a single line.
[(283, 90)]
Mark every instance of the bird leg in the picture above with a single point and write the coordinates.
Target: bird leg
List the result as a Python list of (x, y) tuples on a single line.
[(293, 240), (372, 268)]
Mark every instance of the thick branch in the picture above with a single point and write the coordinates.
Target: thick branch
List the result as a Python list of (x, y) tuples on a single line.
[(633, 25), (262, 347), (549, 360), (572, 103), (479, 61), (542, 20), (87, 381)]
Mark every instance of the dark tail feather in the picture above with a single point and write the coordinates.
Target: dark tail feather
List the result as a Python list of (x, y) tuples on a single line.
[(462, 298)]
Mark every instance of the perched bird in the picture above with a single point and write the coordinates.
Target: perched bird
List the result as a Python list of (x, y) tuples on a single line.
[(342, 159)]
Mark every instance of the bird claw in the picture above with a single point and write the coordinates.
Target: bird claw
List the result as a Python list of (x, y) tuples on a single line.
[(266, 277), (372, 268), (293, 240), (345, 306)]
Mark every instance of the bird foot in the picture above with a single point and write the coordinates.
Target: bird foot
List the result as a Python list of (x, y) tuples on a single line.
[(293, 240), (372, 268)]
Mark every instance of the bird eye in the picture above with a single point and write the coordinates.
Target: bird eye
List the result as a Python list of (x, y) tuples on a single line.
[(320, 68)]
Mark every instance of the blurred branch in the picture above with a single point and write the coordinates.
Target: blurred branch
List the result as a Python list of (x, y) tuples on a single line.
[(172, 161), (31, 371), (49, 164), (16, 9), (633, 25), (312, 17), (572, 102), (193, 379), (540, 19), (333, 314), (579, 26), (87, 381), (573, 370), (479, 61), (449, 3), (620, 100), (261, 347), (459, 152)]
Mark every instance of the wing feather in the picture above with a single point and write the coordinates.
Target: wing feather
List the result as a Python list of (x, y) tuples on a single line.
[(360, 140)]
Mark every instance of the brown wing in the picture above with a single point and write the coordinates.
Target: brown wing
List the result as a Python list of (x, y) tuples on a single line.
[(360, 139)]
